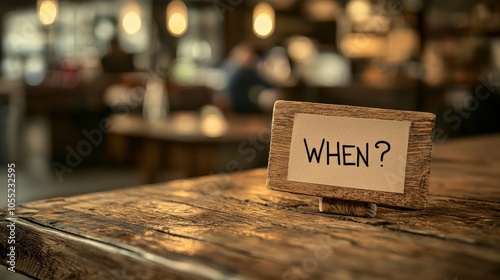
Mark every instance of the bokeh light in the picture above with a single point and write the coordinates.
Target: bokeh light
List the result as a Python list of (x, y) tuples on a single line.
[(47, 11), (131, 18), (177, 18), (359, 10), (301, 49), (263, 20)]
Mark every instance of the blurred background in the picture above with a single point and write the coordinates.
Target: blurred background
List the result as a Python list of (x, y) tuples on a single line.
[(101, 94), (96, 95)]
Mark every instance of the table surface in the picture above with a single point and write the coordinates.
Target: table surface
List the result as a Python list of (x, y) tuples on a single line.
[(233, 227), (186, 141), (188, 126)]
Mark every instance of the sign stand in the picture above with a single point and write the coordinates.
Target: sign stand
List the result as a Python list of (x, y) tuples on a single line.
[(347, 207), (352, 158)]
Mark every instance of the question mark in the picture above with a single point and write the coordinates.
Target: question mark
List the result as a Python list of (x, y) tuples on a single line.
[(384, 152)]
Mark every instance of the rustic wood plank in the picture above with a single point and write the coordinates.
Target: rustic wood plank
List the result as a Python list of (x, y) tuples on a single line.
[(344, 207), (232, 226), (470, 180), (266, 240), (47, 253), (227, 231), (248, 187), (417, 164), (473, 148)]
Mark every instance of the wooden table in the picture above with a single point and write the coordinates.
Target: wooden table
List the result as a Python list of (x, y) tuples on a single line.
[(235, 228), (184, 141)]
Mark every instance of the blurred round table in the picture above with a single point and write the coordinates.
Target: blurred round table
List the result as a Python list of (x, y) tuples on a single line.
[(188, 142)]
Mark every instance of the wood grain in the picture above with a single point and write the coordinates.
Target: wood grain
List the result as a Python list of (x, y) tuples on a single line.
[(233, 227), (344, 207), (417, 164)]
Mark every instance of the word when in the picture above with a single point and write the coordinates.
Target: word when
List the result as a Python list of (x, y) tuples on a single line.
[(347, 155)]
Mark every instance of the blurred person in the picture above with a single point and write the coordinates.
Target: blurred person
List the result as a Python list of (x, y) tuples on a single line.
[(246, 88), (117, 60)]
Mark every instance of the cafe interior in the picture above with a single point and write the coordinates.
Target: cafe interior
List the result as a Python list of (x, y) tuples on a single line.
[(107, 94), (96, 95)]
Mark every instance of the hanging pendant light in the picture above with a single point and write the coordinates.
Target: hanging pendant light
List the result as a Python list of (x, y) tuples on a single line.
[(47, 11), (263, 20), (177, 18), (130, 17)]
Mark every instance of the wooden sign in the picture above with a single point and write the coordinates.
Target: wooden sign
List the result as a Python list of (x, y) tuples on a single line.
[(351, 153)]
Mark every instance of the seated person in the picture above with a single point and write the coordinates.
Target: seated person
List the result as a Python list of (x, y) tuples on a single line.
[(245, 84), (117, 60)]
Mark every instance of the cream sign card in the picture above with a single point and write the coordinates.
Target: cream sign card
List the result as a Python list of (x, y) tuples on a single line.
[(348, 152), (351, 153)]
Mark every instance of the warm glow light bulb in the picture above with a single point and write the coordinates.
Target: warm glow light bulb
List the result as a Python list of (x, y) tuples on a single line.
[(359, 10), (131, 18), (47, 11), (321, 10), (177, 24), (301, 49), (131, 23), (263, 20), (177, 18), (213, 122)]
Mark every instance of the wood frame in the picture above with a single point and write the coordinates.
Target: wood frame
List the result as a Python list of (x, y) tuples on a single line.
[(417, 164)]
